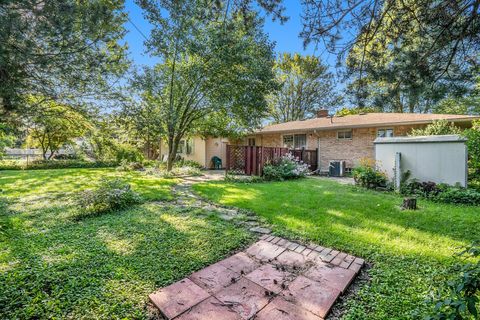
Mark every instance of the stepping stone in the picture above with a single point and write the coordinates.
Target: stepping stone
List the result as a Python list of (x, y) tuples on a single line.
[(264, 251), (226, 217), (330, 275), (311, 295), (240, 263), (244, 297), (291, 259), (210, 309), (214, 278), (178, 297), (260, 230), (280, 309), (271, 278)]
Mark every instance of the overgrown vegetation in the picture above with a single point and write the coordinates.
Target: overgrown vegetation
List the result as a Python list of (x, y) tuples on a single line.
[(462, 297), (53, 164), (103, 267), (285, 168), (437, 127), (409, 252), (441, 192), (367, 175), (109, 196)]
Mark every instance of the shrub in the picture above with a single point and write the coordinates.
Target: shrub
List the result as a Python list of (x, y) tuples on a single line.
[(286, 167), (187, 163), (126, 152), (130, 166), (110, 195), (458, 196), (461, 300), (437, 127), (176, 171), (427, 189), (53, 164), (366, 175)]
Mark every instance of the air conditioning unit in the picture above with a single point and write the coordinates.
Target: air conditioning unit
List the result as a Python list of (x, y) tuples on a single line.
[(337, 168)]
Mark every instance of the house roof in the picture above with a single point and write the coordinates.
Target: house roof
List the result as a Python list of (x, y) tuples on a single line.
[(362, 121)]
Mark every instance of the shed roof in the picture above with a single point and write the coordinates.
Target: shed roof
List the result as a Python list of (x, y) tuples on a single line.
[(422, 139), (363, 120)]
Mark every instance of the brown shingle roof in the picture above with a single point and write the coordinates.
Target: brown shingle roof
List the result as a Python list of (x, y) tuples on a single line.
[(364, 120)]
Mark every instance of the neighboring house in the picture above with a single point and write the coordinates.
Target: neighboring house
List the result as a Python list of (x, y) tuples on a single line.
[(200, 150), (348, 138)]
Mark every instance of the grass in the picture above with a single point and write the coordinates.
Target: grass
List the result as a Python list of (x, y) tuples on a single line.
[(103, 267), (410, 251)]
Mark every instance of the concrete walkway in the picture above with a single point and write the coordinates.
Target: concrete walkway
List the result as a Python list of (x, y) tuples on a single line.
[(273, 279)]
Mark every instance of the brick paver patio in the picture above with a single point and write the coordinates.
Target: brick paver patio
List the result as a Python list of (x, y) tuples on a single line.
[(273, 279)]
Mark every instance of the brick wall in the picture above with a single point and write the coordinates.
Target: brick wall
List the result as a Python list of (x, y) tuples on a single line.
[(331, 148)]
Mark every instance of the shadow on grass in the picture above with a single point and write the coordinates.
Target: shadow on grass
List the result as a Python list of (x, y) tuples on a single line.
[(103, 267), (352, 219)]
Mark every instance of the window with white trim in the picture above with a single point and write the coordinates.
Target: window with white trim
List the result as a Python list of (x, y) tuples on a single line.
[(344, 135), (295, 141), (385, 133)]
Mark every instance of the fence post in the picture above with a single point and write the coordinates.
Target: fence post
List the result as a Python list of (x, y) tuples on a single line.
[(254, 160), (260, 165), (227, 161)]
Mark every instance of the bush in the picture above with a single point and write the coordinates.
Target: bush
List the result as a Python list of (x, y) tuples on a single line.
[(176, 171), (187, 163), (286, 167), (72, 156), (130, 166), (111, 195), (423, 189), (461, 299), (53, 164), (126, 152), (458, 196), (366, 175)]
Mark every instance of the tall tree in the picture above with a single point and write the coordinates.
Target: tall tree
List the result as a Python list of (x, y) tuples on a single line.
[(215, 58), (402, 55), (143, 122), (66, 50), (305, 87), (53, 125)]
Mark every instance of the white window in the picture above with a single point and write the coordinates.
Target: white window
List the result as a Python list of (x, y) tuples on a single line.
[(385, 133), (295, 141), (344, 135)]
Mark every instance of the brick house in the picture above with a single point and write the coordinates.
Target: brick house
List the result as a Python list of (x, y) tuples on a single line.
[(346, 138)]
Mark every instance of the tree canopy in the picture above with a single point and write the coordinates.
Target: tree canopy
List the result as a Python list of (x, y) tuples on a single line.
[(53, 125), (65, 50), (306, 86), (402, 56), (214, 62)]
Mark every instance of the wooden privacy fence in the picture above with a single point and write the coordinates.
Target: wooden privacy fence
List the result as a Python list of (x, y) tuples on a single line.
[(250, 160)]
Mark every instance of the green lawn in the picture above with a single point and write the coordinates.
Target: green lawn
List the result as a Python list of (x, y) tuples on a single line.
[(409, 251), (53, 266)]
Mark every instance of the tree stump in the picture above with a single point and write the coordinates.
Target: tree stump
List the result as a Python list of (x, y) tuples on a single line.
[(409, 204)]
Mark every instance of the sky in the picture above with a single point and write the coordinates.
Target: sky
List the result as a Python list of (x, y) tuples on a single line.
[(285, 36)]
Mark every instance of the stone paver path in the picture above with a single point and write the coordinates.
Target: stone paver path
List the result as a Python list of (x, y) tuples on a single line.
[(272, 279), (184, 197)]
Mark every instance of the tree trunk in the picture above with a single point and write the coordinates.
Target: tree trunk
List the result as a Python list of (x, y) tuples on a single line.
[(172, 151), (409, 204)]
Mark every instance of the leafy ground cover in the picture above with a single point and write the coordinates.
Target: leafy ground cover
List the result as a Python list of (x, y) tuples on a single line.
[(103, 267), (410, 252)]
